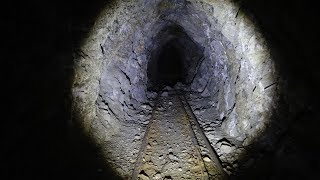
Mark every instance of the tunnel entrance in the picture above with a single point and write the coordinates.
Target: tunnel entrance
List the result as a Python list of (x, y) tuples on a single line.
[(174, 58)]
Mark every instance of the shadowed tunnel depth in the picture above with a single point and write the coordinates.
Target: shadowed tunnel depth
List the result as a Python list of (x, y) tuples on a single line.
[(174, 60), (106, 84)]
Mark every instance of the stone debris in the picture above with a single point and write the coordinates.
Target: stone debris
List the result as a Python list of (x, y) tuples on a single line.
[(157, 176), (143, 176), (225, 147), (165, 94), (170, 152), (137, 137), (151, 95), (173, 157), (207, 159), (167, 88)]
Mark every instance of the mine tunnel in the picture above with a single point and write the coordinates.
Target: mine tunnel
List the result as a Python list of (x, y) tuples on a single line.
[(175, 60), (164, 89), (187, 88)]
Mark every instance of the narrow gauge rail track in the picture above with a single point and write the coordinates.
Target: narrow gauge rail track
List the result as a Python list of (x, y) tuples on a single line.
[(174, 145)]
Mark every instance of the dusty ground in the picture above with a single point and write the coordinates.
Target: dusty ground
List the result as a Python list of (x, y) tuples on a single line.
[(170, 149)]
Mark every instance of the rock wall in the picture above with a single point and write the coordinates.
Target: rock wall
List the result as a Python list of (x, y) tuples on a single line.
[(232, 81)]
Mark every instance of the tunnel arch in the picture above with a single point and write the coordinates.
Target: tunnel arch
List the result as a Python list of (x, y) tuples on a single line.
[(236, 80)]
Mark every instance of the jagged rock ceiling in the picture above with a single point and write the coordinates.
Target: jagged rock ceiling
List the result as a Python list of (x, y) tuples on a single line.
[(227, 71)]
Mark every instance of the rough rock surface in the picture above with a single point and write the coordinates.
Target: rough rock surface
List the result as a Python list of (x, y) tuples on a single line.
[(230, 77)]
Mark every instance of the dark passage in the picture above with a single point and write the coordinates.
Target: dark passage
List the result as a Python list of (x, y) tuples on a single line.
[(174, 59), (170, 69)]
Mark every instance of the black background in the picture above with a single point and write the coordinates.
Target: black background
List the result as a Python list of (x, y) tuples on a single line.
[(38, 41)]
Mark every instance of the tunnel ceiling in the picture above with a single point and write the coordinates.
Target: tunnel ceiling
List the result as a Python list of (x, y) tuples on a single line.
[(224, 66)]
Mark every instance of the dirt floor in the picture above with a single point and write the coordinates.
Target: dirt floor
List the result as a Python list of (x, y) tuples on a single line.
[(171, 149)]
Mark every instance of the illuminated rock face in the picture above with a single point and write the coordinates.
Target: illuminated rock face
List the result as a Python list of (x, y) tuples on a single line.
[(227, 72)]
